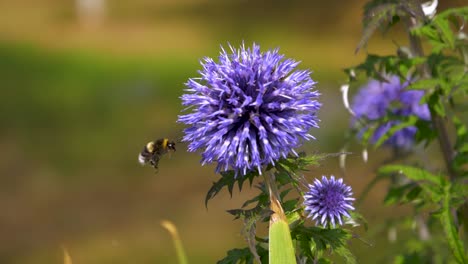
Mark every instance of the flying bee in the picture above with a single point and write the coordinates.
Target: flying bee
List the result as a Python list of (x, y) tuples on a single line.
[(154, 150)]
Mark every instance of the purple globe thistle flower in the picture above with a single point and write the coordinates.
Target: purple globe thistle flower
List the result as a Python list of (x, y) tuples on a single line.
[(249, 109), (328, 201), (376, 99)]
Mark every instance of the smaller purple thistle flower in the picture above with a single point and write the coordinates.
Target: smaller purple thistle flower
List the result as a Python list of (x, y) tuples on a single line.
[(328, 201), (376, 99)]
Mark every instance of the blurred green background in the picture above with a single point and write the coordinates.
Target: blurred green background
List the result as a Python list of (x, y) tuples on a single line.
[(86, 83)]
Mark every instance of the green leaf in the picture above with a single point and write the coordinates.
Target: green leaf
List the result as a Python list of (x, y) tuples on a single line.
[(300, 163), (315, 242), (256, 212), (262, 198), (293, 218), (411, 121), (451, 233), (425, 131), (459, 193), (428, 182), (446, 33), (244, 256), (438, 31), (413, 194), (228, 180), (375, 17), (396, 194), (461, 144), (424, 84), (435, 104), (281, 250), (290, 205), (346, 254), (413, 173)]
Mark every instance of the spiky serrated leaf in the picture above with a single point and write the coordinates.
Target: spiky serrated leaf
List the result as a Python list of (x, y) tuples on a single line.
[(385, 13), (300, 163), (228, 180), (377, 16), (374, 64), (316, 241), (262, 199), (256, 213), (244, 256)]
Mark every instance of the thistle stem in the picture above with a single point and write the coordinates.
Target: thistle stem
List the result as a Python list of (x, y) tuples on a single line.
[(437, 120), (275, 202)]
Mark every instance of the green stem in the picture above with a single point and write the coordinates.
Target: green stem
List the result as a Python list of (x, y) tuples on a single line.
[(275, 201), (437, 120)]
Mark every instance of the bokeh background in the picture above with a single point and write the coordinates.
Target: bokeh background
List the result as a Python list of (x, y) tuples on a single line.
[(86, 83)]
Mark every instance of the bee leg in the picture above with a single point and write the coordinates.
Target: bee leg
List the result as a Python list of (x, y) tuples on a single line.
[(155, 161)]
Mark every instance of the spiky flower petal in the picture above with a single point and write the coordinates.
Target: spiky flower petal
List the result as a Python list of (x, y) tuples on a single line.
[(249, 109), (376, 99), (328, 201)]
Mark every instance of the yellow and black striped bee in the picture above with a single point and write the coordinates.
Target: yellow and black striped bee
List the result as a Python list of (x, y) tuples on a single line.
[(153, 151)]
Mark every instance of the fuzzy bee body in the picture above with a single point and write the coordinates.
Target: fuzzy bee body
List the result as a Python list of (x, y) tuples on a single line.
[(154, 150)]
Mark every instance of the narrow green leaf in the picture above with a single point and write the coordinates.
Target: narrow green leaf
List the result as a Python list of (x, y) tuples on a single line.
[(446, 33), (281, 250), (170, 227), (424, 84), (346, 254), (413, 173), (428, 182), (410, 122), (66, 256)]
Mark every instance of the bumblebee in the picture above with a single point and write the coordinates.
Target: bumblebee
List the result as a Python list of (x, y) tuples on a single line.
[(154, 150)]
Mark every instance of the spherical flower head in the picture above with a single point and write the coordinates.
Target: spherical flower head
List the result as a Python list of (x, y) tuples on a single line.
[(328, 201), (249, 109), (376, 99)]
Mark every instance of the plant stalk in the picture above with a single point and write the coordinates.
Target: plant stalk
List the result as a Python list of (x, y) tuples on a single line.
[(437, 121)]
